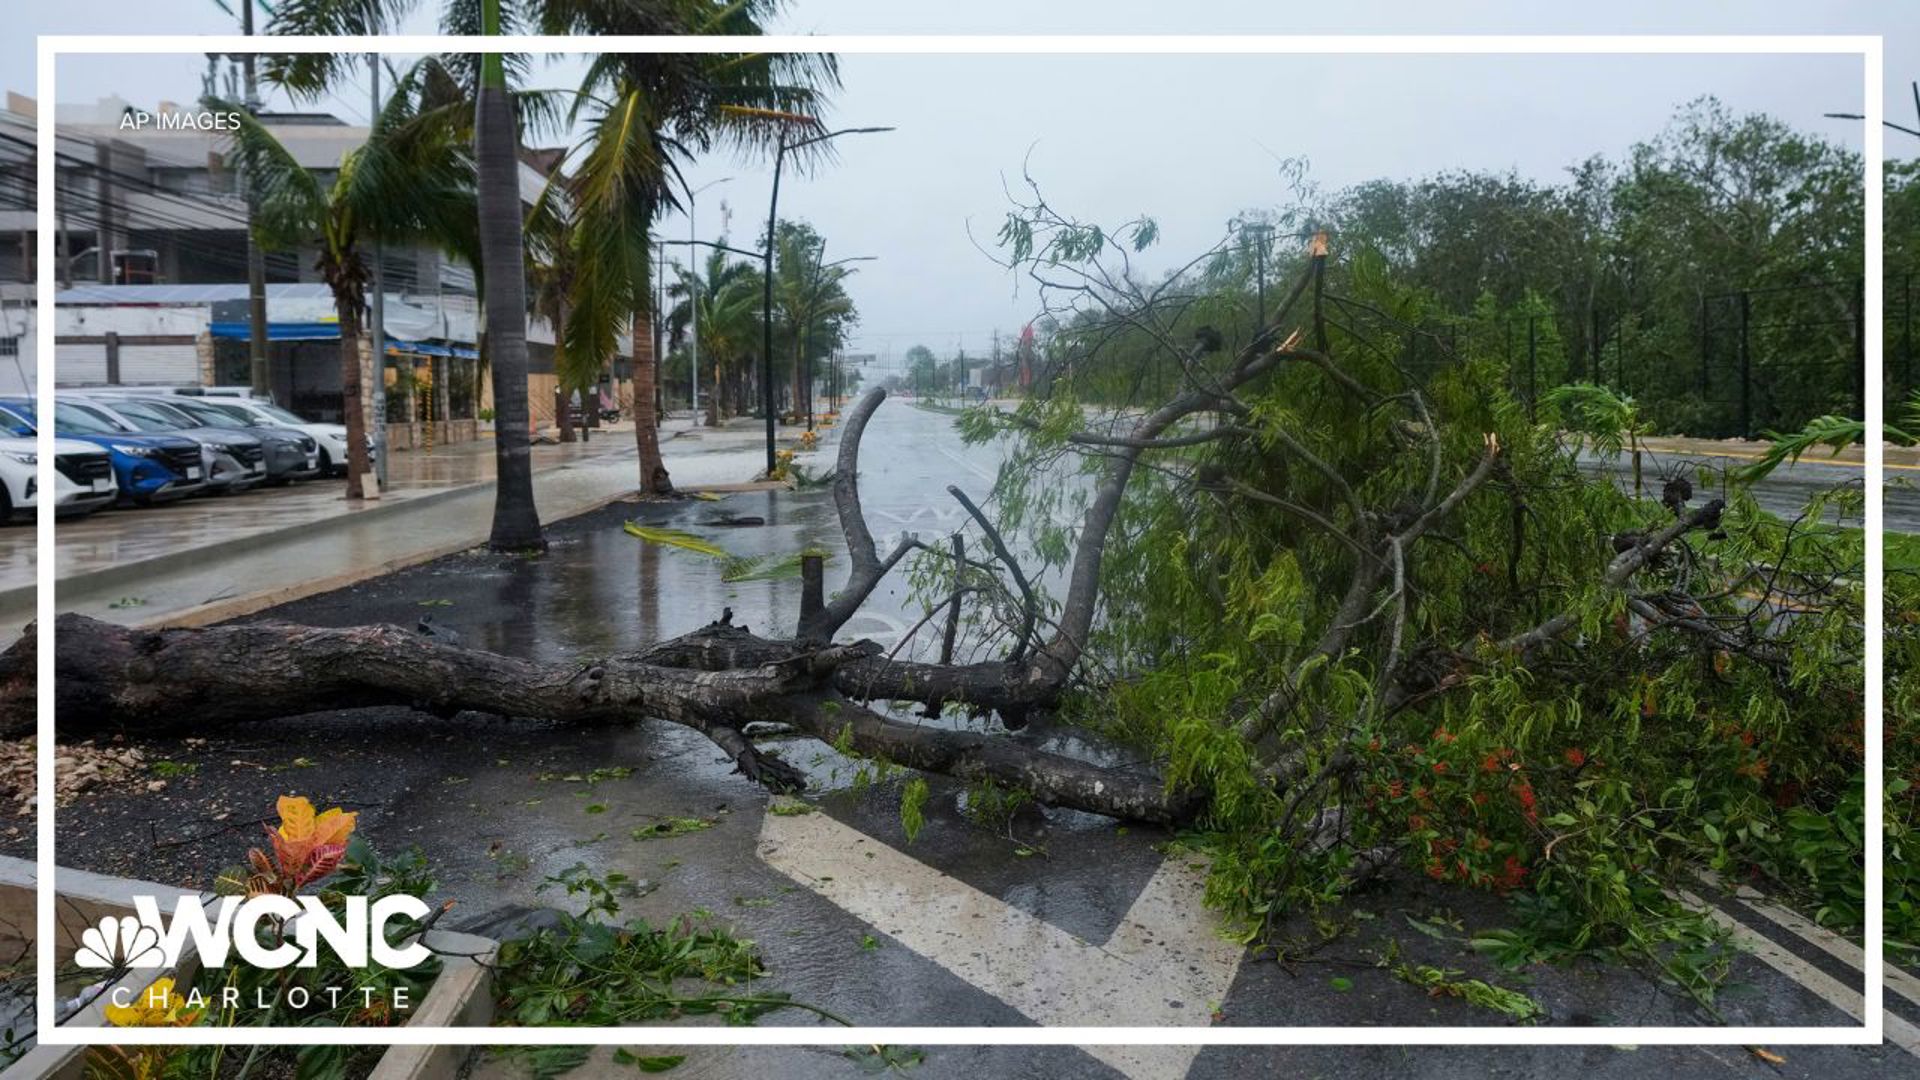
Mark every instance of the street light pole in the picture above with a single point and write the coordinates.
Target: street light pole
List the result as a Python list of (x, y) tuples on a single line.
[(693, 293), (378, 330), (813, 302), (259, 379), (806, 338), (766, 296), (766, 304)]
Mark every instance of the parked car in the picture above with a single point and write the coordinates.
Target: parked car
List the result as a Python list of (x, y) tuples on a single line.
[(82, 474), (146, 468), (233, 460), (289, 454), (332, 438)]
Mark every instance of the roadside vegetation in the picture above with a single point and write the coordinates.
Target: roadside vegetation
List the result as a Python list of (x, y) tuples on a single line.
[(1372, 607)]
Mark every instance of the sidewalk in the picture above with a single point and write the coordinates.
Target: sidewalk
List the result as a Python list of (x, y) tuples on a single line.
[(1897, 457), (216, 557)]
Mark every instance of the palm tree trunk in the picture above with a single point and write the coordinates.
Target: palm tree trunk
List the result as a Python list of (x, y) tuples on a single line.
[(352, 396), (646, 426), (516, 522), (562, 413)]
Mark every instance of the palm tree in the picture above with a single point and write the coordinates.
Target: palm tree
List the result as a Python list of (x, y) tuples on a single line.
[(647, 115), (477, 86), (728, 318), (812, 302), (650, 113), (496, 144), (411, 182)]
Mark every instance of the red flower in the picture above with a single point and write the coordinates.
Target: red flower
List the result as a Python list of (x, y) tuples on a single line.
[(1489, 764), (1440, 768), (1396, 788), (1512, 875), (1528, 807), (1576, 757)]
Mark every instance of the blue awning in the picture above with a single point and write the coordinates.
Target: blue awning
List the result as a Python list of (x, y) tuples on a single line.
[(330, 331), (430, 348), (280, 331)]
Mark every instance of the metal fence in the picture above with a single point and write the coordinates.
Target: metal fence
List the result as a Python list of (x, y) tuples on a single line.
[(1740, 364)]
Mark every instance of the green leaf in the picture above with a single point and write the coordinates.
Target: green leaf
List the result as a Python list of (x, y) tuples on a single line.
[(655, 1063), (1341, 983), (912, 798)]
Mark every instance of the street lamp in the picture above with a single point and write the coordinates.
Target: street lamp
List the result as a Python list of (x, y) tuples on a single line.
[(813, 299), (693, 306), (773, 211)]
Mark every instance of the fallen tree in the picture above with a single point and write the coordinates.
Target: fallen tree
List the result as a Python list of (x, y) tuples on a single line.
[(1348, 611)]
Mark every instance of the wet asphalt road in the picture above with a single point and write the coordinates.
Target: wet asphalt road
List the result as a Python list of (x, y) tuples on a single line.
[(1784, 492), (491, 802)]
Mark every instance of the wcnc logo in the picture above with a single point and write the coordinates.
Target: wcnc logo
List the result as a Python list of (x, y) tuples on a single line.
[(147, 939)]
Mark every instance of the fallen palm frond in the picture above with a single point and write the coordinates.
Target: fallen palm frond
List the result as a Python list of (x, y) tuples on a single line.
[(676, 538), (766, 567)]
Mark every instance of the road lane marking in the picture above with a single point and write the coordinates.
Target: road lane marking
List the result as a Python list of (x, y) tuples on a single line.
[(1163, 965), (1894, 978), (1849, 1000), (967, 465)]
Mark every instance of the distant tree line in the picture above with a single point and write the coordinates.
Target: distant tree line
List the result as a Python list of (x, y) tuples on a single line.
[(1714, 273)]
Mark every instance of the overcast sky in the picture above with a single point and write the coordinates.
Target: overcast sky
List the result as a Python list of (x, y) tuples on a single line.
[(1188, 140)]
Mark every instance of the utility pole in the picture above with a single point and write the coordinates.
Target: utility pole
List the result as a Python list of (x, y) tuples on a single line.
[(376, 332), (258, 374), (766, 296)]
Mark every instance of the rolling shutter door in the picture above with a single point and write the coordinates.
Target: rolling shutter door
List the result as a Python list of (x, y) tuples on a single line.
[(77, 364), (167, 364)]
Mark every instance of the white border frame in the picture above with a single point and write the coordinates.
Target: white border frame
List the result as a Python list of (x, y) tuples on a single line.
[(1869, 48)]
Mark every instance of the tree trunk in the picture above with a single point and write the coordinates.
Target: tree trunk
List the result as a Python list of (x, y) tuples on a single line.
[(563, 413), (516, 522), (352, 395), (646, 419), (716, 680)]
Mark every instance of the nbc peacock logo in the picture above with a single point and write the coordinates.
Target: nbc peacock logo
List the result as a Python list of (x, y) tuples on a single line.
[(124, 942)]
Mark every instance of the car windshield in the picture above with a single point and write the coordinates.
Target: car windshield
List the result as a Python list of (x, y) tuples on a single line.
[(214, 412), (16, 421), (278, 413), (71, 419), (149, 417)]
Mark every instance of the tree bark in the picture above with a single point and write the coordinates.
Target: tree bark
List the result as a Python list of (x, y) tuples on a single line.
[(113, 678), (646, 420), (352, 396), (516, 522)]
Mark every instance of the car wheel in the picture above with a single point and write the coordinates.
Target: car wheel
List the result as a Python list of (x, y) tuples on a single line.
[(326, 463), (6, 505)]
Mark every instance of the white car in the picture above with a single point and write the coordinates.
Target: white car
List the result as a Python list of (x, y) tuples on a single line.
[(331, 437), (82, 475)]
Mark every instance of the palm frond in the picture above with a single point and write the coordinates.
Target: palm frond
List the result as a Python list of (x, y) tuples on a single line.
[(686, 541), (292, 202), (309, 76)]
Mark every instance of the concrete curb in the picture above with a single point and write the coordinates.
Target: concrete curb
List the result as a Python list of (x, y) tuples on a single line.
[(22, 596)]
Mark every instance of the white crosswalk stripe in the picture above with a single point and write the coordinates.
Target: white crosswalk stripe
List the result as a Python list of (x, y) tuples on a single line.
[(1161, 967)]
